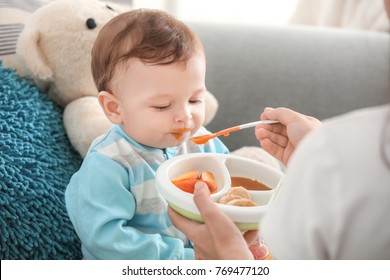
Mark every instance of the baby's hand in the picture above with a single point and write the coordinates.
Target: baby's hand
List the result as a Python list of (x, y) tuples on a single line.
[(259, 251)]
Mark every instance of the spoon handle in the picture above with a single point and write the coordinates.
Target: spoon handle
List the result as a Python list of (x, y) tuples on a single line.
[(204, 138), (252, 124), (226, 131)]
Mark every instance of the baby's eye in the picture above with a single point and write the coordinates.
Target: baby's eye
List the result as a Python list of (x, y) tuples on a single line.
[(196, 101), (162, 108)]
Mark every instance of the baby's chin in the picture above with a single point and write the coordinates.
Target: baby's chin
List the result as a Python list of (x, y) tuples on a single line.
[(173, 139), (173, 142), (177, 142)]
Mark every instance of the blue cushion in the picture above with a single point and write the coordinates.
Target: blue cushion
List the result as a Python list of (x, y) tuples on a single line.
[(36, 163)]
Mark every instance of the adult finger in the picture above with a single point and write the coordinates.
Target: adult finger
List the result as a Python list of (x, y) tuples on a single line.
[(220, 226), (277, 138), (206, 206), (283, 115)]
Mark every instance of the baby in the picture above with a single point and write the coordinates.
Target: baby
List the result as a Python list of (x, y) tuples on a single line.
[(149, 69)]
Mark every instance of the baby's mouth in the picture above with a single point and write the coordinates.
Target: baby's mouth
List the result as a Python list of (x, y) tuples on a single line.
[(178, 133)]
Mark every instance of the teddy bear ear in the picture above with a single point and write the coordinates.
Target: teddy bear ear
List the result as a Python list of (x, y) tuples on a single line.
[(29, 52)]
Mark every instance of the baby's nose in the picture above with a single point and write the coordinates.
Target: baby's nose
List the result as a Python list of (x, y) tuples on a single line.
[(184, 114)]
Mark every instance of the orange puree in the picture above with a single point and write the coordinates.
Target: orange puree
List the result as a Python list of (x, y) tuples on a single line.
[(249, 184), (178, 133)]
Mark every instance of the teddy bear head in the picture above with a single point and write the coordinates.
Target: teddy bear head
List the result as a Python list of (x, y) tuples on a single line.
[(54, 47)]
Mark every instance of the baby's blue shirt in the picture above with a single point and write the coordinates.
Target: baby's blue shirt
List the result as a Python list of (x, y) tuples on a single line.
[(114, 205)]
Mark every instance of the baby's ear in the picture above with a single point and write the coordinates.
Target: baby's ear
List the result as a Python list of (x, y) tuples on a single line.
[(110, 106)]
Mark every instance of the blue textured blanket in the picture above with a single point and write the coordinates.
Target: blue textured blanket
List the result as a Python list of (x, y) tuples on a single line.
[(36, 163)]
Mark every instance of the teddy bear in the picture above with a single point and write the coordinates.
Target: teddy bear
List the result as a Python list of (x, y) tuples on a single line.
[(54, 51)]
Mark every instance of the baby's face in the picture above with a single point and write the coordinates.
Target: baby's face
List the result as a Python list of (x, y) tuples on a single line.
[(162, 105)]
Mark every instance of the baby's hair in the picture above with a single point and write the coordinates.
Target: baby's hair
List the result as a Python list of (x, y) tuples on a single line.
[(152, 36)]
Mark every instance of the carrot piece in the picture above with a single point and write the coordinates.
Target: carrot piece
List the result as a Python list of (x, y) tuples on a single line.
[(188, 185), (194, 174), (186, 182)]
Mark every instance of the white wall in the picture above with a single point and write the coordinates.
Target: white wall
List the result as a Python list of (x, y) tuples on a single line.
[(232, 11)]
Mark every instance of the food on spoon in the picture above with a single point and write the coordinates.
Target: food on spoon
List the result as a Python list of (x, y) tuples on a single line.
[(186, 182), (237, 196)]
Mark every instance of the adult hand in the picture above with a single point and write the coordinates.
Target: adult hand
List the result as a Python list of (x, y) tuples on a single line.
[(218, 237), (281, 139)]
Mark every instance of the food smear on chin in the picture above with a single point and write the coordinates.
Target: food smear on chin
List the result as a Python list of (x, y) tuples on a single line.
[(187, 181), (178, 133)]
